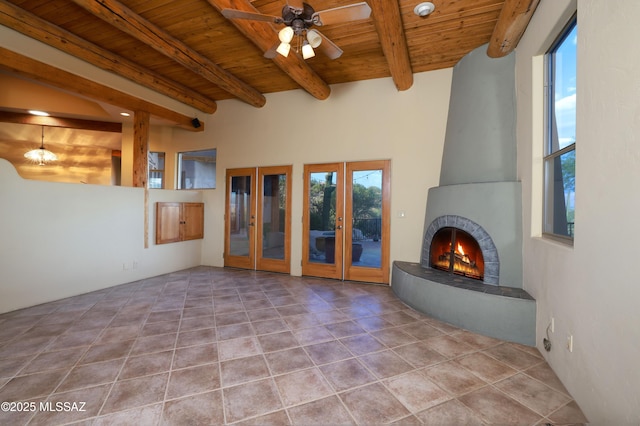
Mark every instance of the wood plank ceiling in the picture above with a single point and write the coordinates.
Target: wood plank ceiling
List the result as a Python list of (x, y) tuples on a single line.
[(188, 51)]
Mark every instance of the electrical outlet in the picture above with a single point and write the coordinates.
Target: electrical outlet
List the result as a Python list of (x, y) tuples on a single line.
[(570, 342), (135, 264), (553, 325)]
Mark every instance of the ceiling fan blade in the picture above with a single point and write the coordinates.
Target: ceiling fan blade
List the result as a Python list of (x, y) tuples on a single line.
[(328, 47), (271, 53), (337, 15), (239, 14)]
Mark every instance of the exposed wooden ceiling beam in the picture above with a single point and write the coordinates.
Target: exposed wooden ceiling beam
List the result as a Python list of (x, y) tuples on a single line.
[(388, 22), (264, 36), (68, 123), (512, 22), (126, 20), (39, 71), (32, 26)]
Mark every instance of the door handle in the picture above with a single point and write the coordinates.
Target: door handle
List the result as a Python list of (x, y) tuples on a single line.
[(339, 227)]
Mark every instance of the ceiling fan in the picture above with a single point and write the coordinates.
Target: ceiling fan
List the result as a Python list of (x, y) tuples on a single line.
[(299, 18)]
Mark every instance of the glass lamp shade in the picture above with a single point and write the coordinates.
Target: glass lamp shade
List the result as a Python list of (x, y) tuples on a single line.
[(307, 51), (41, 156), (286, 35), (283, 49), (314, 38)]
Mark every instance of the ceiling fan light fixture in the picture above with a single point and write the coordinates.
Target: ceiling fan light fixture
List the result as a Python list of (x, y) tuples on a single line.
[(424, 8), (307, 50), (284, 49), (286, 35), (314, 38)]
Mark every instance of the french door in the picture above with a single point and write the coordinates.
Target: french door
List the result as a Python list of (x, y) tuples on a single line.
[(258, 219), (346, 221)]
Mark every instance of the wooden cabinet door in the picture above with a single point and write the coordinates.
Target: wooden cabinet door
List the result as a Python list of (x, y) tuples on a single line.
[(168, 222), (192, 221)]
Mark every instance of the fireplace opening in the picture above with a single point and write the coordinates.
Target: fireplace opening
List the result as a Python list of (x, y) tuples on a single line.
[(456, 251)]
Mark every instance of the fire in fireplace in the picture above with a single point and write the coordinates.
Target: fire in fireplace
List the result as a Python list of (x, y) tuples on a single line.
[(457, 252)]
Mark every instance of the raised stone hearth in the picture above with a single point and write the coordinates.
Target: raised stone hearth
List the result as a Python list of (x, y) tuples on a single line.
[(505, 313)]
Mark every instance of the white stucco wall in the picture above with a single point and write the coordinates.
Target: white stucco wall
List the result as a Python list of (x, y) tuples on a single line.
[(60, 239), (368, 120), (590, 289)]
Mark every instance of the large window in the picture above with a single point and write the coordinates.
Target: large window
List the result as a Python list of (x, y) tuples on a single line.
[(560, 140), (197, 169)]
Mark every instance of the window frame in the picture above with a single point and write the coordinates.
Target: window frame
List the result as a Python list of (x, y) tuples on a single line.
[(550, 154), (179, 168)]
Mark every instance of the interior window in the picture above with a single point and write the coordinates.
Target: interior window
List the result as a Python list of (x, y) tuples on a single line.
[(156, 170), (197, 169), (560, 141)]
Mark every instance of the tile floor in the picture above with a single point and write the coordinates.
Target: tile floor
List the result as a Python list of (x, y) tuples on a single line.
[(221, 346)]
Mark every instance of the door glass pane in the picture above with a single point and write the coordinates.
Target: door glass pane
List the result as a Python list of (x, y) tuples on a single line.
[(322, 217), (240, 215), (367, 218), (273, 216)]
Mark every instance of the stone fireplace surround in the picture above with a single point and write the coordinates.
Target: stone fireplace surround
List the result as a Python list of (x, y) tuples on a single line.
[(488, 248), (479, 192)]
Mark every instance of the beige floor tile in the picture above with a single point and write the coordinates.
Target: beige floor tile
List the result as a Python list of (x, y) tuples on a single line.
[(347, 374), (362, 344), (385, 364), (193, 380), (238, 348), (419, 354), (449, 413), (23, 388), (485, 367), (416, 392), (242, 370), (534, 394), (494, 407), (250, 400), (202, 409), (195, 355), (302, 386), (149, 415), (288, 360), (277, 341), (452, 378), (513, 356), (373, 404), (72, 406), (448, 346), (145, 365), (107, 352), (52, 361), (136, 392), (219, 346), (324, 353), (327, 411), (86, 375)]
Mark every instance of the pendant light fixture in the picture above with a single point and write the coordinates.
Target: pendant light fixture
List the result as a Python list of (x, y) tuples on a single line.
[(41, 156)]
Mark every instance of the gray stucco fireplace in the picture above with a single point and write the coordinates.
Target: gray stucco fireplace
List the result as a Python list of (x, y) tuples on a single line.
[(478, 198)]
